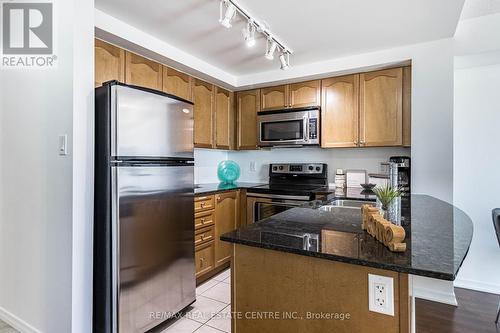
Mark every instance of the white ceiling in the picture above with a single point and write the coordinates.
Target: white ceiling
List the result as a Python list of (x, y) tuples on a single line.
[(477, 8), (315, 30)]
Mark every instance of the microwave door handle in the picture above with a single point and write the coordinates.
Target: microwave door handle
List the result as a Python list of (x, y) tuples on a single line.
[(306, 129)]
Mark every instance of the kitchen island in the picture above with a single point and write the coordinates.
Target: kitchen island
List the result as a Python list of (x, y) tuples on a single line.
[(306, 270)]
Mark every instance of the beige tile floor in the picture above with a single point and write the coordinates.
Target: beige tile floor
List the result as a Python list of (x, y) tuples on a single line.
[(5, 328), (211, 311)]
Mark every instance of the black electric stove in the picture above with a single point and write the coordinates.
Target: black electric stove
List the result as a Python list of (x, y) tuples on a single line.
[(290, 185)]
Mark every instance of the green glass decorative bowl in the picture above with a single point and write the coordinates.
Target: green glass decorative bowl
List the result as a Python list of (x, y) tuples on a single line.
[(228, 172)]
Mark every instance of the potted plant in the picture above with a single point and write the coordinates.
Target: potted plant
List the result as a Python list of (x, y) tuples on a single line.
[(387, 196)]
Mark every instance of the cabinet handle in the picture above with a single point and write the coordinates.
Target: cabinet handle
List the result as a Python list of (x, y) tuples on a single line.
[(202, 220), (355, 143), (202, 205), (218, 198)]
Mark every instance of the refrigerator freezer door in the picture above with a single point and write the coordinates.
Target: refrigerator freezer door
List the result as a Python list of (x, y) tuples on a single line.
[(153, 251), (144, 124)]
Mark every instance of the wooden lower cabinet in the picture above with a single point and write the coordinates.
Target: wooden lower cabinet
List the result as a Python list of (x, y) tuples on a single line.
[(227, 206), (203, 203), (271, 281), (214, 215), (204, 258)]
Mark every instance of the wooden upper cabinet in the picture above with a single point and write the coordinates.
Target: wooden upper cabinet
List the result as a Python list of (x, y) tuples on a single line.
[(142, 72), (224, 119), (305, 94), (407, 106), (300, 94), (226, 219), (381, 108), (203, 98), (177, 83), (339, 112), (273, 98), (247, 106), (109, 63)]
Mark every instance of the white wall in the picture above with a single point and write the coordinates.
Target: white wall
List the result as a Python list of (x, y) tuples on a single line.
[(476, 173), (206, 162), (367, 158), (83, 166), (36, 217)]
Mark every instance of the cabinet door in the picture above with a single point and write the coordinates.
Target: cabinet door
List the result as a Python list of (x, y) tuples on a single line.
[(177, 83), (339, 112), (305, 94), (203, 95), (226, 219), (204, 258), (248, 104), (142, 72), (224, 119), (273, 98), (407, 106), (381, 108), (109, 63)]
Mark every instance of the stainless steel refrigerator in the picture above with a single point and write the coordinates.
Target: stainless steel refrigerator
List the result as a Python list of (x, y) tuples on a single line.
[(144, 269)]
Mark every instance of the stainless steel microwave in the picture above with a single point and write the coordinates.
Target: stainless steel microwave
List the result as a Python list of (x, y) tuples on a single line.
[(289, 127)]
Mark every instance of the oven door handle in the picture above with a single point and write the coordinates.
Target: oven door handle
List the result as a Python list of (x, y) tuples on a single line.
[(279, 196)]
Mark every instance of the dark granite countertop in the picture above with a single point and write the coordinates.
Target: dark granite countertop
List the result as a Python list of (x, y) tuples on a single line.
[(438, 236), (219, 187)]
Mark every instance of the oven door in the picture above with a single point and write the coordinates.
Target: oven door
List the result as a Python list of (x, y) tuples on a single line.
[(260, 206)]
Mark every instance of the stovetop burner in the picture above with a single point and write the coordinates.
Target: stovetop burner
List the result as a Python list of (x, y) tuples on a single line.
[(294, 179)]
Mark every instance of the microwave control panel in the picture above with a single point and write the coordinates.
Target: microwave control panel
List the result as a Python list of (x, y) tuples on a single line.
[(313, 128)]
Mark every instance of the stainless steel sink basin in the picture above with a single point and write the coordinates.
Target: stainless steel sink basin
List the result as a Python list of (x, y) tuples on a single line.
[(353, 204)]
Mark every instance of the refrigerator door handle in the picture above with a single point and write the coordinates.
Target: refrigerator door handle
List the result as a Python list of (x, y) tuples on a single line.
[(115, 248)]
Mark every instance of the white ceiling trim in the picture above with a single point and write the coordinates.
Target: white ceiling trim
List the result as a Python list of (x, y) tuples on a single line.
[(124, 35)]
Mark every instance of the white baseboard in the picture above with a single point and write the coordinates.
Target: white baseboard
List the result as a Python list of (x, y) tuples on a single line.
[(16, 322), (435, 296), (478, 286)]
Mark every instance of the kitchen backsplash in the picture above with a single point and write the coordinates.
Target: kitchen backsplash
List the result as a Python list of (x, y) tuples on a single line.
[(344, 158)]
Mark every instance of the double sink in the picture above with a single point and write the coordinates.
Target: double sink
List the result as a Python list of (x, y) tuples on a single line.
[(341, 203)]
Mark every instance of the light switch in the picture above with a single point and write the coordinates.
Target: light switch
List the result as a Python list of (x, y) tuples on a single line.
[(252, 167), (63, 145)]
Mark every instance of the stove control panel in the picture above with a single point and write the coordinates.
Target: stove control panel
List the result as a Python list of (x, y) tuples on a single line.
[(298, 168)]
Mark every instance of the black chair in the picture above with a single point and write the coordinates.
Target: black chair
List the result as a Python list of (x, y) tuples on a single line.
[(496, 223)]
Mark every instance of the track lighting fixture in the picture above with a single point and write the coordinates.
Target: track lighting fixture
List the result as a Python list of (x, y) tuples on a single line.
[(228, 9), (285, 60), (249, 34), (271, 47), (229, 14)]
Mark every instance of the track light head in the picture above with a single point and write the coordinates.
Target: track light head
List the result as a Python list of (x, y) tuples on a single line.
[(271, 47), (285, 60), (229, 14), (249, 34)]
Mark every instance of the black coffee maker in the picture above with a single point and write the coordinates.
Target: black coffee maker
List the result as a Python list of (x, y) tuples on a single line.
[(404, 173)]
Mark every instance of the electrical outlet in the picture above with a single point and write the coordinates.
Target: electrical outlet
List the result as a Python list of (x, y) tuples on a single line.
[(381, 294)]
